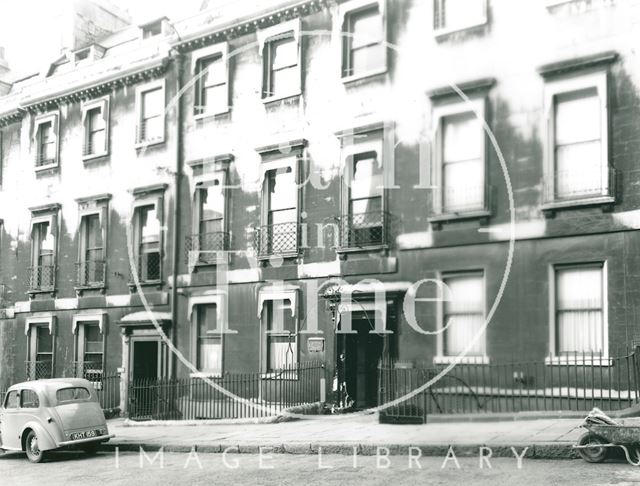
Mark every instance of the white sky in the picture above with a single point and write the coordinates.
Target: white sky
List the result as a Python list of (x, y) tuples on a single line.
[(25, 25)]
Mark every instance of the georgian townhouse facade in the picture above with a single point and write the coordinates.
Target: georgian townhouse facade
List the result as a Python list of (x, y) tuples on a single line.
[(326, 168)]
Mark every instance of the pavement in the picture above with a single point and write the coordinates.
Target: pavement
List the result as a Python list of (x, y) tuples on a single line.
[(544, 437)]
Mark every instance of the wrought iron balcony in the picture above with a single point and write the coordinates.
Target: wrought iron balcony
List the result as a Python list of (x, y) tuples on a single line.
[(41, 278), (146, 135), (42, 160), (203, 248), (89, 370), (277, 239), (364, 230), (91, 273), (149, 267), (579, 185), (38, 370), (456, 200)]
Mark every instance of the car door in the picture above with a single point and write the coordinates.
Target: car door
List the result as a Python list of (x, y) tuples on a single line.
[(10, 421)]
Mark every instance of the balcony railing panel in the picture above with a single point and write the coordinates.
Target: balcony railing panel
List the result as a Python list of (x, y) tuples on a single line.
[(91, 273), (277, 239), (202, 248), (41, 278), (570, 185), (461, 199), (364, 230), (89, 370), (38, 370), (149, 266), (42, 160)]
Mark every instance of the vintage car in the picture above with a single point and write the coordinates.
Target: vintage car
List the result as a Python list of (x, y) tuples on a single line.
[(42, 415)]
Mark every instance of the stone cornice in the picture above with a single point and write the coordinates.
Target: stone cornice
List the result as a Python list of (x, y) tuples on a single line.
[(234, 29), (578, 64)]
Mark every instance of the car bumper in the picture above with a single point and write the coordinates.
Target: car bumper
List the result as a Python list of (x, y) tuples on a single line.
[(101, 438)]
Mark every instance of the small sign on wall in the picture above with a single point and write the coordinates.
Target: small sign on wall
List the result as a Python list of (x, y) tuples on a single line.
[(315, 345)]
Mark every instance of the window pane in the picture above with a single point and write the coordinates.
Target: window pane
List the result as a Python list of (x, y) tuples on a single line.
[(371, 206), (72, 394), (211, 226), (215, 99), (210, 355), (460, 331), (95, 119), (207, 319), (577, 117), (463, 185), (94, 231), (285, 81), (579, 170), (153, 128), (579, 288), (12, 399), (282, 353), (45, 238), (214, 71), (152, 103), (579, 301), (463, 12), (283, 192), (44, 340), (466, 294), (366, 28), (462, 137), (367, 177), (367, 59), (30, 399), (97, 141), (280, 318), (149, 224), (211, 202), (283, 216), (284, 53)]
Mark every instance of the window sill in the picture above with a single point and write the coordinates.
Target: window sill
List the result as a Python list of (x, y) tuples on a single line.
[(44, 168), (462, 360), (569, 361), (148, 143), (549, 208), (266, 258), (287, 96), (97, 286), (363, 249), (92, 157), (555, 3), (146, 283), (446, 31), (213, 114), (352, 78), (203, 374), (41, 291), (462, 215)]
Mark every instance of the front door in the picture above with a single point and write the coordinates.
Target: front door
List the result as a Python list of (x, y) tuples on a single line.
[(362, 352), (145, 371)]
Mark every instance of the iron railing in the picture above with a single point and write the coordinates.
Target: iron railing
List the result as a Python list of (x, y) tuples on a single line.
[(91, 273), (575, 382), (277, 239), (37, 370), (41, 160), (364, 230), (89, 370), (568, 185), (457, 200), (41, 278), (143, 135), (259, 395), (202, 248), (89, 148), (106, 383), (149, 268)]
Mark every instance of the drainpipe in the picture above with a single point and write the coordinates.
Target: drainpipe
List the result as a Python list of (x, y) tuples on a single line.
[(178, 58)]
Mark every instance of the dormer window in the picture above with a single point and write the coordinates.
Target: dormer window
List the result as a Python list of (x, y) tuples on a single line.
[(154, 28), (82, 55)]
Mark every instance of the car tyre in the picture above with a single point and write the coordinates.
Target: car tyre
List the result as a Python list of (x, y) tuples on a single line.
[(34, 454)]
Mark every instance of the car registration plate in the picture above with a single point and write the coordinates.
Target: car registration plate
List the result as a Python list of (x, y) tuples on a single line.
[(87, 434)]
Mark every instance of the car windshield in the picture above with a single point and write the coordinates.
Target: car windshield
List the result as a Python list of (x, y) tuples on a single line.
[(73, 394)]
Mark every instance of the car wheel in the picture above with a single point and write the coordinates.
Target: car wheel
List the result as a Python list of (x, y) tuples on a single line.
[(34, 454), (592, 454)]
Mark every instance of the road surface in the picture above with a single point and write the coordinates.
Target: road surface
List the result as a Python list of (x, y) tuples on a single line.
[(308, 470)]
